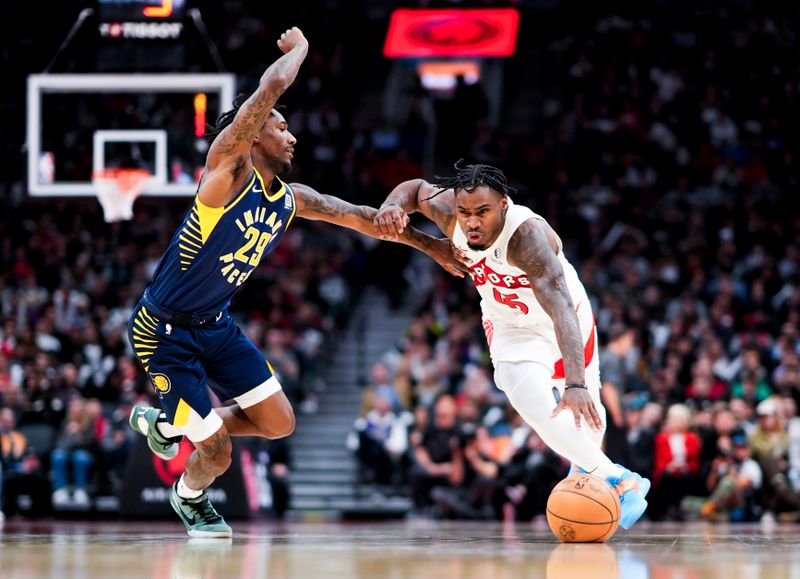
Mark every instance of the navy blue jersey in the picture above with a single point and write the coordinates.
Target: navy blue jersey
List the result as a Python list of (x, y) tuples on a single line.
[(216, 248)]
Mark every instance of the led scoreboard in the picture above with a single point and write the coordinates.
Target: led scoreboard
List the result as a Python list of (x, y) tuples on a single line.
[(141, 10), (141, 19)]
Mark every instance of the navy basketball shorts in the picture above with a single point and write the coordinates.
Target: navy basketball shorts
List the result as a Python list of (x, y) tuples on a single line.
[(182, 361)]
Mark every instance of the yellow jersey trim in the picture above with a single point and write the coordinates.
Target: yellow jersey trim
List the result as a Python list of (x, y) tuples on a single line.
[(189, 244), (194, 228), (182, 413), (148, 332), (146, 325), (209, 217), (152, 319), (137, 333), (244, 192), (276, 196)]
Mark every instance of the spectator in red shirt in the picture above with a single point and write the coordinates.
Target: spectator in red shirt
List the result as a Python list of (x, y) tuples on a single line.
[(677, 463)]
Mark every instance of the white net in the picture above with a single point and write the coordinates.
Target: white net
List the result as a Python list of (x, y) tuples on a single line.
[(117, 190)]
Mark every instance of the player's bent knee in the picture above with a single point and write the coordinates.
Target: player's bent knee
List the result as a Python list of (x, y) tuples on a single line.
[(281, 425), (273, 417), (288, 425)]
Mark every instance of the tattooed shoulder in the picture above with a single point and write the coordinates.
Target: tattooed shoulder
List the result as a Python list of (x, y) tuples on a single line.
[(530, 249)]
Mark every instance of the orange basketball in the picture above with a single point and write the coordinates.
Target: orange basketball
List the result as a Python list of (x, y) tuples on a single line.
[(583, 509)]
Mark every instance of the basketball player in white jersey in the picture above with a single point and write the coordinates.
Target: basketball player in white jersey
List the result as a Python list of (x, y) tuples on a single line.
[(536, 314)]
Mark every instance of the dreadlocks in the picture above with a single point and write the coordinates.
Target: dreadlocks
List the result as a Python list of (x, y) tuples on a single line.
[(470, 177), (226, 118)]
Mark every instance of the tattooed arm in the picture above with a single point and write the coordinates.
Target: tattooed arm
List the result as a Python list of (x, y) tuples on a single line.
[(533, 249), (315, 206), (411, 196), (228, 163)]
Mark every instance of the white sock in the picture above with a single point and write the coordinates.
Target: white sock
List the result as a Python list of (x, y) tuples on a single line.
[(530, 391), (165, 428), (186, 492)]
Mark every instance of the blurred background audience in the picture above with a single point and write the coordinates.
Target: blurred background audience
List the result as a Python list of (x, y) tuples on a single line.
[(656, 140)]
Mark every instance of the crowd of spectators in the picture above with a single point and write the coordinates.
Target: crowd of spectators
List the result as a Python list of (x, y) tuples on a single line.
[(666, 161), (662, 152)]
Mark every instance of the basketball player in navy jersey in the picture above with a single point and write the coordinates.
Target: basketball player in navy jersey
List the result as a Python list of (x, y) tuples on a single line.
[(181, 331), (536, 314)]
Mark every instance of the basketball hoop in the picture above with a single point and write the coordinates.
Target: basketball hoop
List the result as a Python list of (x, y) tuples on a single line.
[(117, 189)]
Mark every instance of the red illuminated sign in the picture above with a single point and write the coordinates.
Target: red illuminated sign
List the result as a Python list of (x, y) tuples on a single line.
[(421, 33)]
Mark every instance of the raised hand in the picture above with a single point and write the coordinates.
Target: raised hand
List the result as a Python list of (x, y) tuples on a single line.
[(291, 38)]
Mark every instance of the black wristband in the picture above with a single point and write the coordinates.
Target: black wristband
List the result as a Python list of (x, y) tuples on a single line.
[(576, 386)]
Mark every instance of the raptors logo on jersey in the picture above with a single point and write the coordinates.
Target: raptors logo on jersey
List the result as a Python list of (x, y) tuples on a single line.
[(482, 273)]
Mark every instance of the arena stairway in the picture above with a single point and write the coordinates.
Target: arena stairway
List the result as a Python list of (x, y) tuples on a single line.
[(324, 479)]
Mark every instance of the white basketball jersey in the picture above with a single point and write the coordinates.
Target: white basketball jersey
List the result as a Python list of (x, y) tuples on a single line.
[(512, 316)]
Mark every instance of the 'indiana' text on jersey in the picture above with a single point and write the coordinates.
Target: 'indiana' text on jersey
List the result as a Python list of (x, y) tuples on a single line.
[(216, 248)]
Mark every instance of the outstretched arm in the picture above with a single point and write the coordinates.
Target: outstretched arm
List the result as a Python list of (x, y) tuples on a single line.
[(315, 206), (533, 250), (411, 196), (229, 156)]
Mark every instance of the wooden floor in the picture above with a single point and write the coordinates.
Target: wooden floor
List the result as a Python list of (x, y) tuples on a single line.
[(397, 550)]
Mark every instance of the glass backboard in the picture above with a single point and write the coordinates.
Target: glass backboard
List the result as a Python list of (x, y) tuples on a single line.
[(78, 124)]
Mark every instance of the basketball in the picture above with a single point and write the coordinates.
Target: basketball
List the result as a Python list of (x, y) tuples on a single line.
[(583, 509)]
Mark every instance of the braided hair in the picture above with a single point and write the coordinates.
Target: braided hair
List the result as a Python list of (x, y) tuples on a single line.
[(470, 177), (226, 118)]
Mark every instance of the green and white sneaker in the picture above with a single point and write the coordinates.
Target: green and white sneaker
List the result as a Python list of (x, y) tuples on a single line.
[(198, 515), (143, 420)]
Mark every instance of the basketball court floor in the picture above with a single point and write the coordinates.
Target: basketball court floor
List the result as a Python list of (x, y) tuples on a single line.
[(394, 550)]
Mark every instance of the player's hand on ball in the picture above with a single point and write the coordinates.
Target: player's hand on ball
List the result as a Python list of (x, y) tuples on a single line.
[(451, 258), (291, 38), (580, 402), (391, 221)]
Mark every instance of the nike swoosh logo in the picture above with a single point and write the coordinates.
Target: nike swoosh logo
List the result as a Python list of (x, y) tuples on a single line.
[(257, 190), (191, 520)]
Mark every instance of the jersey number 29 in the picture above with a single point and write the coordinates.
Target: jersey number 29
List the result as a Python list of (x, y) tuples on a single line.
[(252, 236)]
